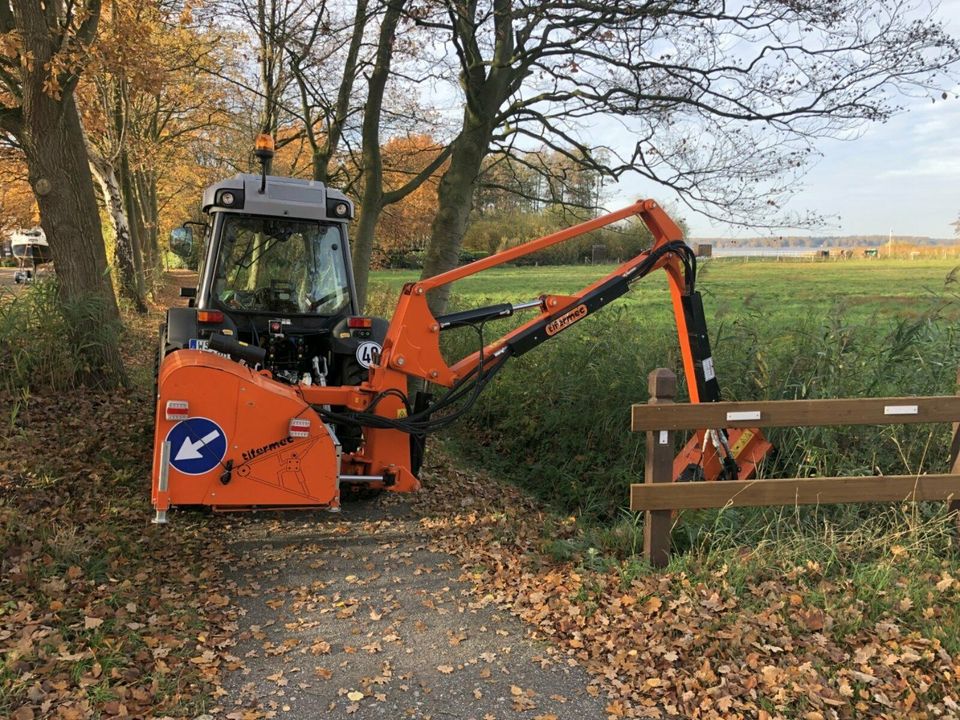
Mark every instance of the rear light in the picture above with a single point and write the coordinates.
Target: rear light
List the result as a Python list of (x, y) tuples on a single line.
[(299, 427), (209, 316), (356, 323), (177, 410)]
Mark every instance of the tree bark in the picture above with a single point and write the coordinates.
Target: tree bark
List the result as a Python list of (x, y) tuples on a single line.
[(105, 174), (59, 173), (362, 248), (454, 203), (148, 204), (375, 197), (371, 202), (322, 154), (130, 210), (486, 84)]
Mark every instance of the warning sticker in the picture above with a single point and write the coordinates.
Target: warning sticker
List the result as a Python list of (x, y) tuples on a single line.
[(708, 372)]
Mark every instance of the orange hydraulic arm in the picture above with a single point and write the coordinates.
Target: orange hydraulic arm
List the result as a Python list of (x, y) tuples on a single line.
[(412, 343)]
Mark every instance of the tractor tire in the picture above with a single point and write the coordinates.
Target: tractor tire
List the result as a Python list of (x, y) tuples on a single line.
[(163, 349)]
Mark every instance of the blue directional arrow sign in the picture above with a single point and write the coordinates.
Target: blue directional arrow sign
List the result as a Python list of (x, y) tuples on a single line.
[(197, 445)]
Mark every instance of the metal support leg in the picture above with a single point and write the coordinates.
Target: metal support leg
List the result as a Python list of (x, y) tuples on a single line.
[(161, 517)]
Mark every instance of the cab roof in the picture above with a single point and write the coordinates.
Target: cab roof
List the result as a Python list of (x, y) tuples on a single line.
[(283, 197)]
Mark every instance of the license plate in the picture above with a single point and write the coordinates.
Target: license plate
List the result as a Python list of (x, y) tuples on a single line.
[(204, 345)]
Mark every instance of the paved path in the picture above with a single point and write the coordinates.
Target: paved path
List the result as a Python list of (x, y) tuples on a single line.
[(353, 615)]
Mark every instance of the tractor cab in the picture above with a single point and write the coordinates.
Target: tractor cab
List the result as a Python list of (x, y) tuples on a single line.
[(275, 287)]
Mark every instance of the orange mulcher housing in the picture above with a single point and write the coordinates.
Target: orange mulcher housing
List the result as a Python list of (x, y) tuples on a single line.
[(274, 443)]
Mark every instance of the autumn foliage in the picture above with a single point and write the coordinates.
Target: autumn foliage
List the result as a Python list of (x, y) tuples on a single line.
[(405, 226)]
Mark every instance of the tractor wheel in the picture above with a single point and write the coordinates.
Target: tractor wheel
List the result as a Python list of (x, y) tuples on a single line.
[(164, 348)]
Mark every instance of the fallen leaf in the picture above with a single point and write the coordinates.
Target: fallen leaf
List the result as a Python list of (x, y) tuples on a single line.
[(92, 623)]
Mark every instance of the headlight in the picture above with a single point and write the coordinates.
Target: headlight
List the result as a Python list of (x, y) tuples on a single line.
[(229, 197), (339, 209)]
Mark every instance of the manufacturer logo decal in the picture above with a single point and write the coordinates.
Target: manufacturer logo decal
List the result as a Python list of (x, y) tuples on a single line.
[(368, 353), (567, 319), (249, 455)]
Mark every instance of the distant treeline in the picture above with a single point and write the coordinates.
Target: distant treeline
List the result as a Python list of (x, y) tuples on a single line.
[(830, 241)]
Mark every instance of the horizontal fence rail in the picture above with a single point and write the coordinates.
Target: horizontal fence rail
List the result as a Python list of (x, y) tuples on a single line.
[(793, 413), (796, 491), (659, 496)]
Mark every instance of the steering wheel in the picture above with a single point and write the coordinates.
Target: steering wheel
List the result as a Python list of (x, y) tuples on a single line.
[(238, 299), (314, 304), (268, 298)]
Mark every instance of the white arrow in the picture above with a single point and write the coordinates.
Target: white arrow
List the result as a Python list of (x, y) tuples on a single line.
[(189, 449)]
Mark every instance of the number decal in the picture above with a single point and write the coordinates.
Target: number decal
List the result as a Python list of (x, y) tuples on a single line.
[(368, 353)]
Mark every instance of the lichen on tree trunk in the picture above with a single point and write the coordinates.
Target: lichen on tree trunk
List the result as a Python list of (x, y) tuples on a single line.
[(131, 284)]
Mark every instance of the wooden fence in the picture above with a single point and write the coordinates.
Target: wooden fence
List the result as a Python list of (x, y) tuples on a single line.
[(659, 496)]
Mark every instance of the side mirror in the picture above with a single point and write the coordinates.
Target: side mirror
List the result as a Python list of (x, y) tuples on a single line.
[(181, 241)]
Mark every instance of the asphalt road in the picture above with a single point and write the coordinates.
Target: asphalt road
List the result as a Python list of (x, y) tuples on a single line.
[(6, 276), (354, 615)]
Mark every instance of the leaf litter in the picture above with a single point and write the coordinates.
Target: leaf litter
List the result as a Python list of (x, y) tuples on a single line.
[(102, 614)]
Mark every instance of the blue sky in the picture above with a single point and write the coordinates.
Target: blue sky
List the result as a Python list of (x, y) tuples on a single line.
[(903, 175)]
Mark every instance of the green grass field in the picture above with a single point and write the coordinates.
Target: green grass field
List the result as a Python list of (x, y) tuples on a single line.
[(866, 288), (556, 419)]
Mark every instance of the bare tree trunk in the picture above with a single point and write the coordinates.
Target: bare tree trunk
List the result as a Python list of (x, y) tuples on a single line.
[(146, 195), (362, 246), (454, 203), (323, 154), (59, 173), (105, 174), (270, 50), (371, 203), (130, 209), (140, 220), (375, 198), (486, 89)]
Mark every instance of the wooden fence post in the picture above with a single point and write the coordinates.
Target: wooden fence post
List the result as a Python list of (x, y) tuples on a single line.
[(954, 506), (658, 468)]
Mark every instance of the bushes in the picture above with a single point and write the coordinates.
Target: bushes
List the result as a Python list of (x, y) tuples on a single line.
[(500, 232), (413, 259), (39, 345)]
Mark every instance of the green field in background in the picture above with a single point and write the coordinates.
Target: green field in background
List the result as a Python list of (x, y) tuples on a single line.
[(556, 419), (866, 288)]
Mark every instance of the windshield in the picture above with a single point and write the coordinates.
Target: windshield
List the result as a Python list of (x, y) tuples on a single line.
[(282, 266)]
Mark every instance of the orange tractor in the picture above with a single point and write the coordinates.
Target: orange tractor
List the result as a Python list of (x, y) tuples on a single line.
[(273, 390)]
